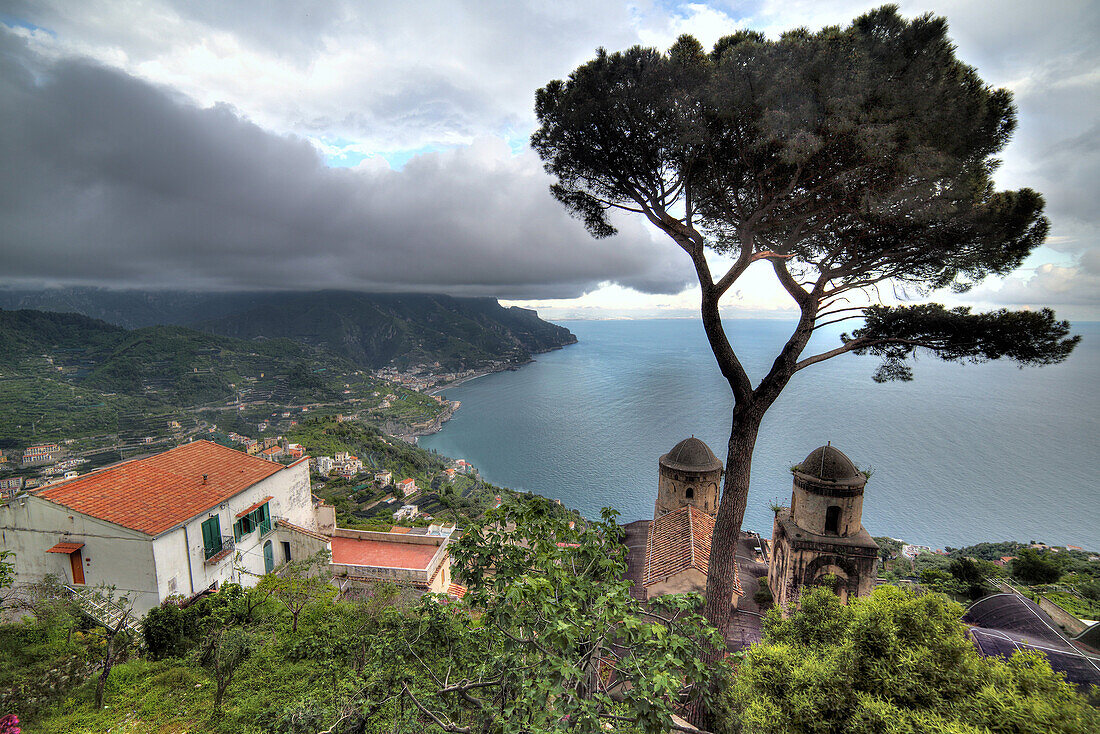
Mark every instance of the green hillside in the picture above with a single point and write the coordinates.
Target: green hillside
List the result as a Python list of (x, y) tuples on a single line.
[(70, 376)]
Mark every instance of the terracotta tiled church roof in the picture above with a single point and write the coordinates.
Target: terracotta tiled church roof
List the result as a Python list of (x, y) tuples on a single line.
[(678, 541), (157, 493)]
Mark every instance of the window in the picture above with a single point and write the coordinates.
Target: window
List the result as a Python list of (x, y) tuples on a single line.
[(832, 520), (212, 536), (258, 518)]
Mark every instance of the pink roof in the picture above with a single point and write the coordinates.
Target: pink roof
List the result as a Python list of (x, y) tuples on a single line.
[(382, 553)]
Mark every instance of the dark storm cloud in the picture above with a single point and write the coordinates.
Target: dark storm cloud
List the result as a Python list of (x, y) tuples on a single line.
[(109, 180)]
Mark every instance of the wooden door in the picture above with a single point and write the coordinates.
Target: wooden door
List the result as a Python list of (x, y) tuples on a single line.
[(78, 566), (269, 557)]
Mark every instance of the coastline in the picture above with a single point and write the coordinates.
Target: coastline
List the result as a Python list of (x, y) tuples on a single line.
[(440, 388)]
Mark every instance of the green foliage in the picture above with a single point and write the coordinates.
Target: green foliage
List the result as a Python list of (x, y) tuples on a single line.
[(69, 376), (763, 595), (987, 551), (561, 620), (895, 662), (1034, 567), (895, 333), (1079, 606), (7, 569), (890, 547), (167, 630)]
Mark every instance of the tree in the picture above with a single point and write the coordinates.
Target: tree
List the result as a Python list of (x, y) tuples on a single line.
[(847, 160), (1032, 567), (228, 647), (8, 594), (116, 632), (299, 584), (555, 641), (895, 662)]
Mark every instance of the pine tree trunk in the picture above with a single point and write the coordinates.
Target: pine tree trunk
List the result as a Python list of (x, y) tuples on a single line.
[(722, 570)]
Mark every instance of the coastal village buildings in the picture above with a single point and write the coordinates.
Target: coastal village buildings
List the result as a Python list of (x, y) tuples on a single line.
[(408, 487), (10, 486), (274, 453), (384, 478), (40, 454)]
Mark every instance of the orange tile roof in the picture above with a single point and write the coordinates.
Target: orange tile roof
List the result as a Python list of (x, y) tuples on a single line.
[(157, 493), (382, 553), (678, 541), (456, 590), (399, 529), (65, 548)]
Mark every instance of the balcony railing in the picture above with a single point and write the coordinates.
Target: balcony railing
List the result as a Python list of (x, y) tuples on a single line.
[(217, 552)]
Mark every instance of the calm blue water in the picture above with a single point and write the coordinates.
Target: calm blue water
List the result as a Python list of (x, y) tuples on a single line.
[(964, 453)]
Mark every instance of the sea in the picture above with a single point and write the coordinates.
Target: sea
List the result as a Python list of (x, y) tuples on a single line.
[(962, 454)]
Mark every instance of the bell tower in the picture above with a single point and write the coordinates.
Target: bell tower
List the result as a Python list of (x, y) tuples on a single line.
[(821, 535), (689, 474)]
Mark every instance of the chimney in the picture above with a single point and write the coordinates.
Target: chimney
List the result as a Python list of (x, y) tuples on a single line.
[(204, 479)]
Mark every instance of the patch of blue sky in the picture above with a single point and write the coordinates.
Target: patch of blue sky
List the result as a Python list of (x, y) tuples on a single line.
[(518, 144), (346, 154), (12, 22), (1044, 255)]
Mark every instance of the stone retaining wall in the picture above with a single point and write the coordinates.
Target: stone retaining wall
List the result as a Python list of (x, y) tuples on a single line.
[(1070, 623)]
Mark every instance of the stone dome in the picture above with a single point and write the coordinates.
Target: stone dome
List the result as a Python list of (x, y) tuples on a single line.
[(692, 455), (829, 463)]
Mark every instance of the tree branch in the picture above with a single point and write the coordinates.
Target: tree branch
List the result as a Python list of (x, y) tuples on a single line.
[(447, 725)]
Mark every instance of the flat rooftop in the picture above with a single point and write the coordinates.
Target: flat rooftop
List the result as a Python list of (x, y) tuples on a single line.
[(382, 553)]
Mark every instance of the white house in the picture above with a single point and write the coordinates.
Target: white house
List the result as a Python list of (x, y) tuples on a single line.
[(179, 522), (325, 464)]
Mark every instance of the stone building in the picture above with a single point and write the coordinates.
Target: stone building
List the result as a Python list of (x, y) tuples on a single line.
[(688, 475), (822, 533), (677, 541)]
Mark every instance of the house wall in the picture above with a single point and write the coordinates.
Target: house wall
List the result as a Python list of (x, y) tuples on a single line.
[(177, 548), (301, 546), (683, 582), (326, 518), (112, 555), (437, 575)]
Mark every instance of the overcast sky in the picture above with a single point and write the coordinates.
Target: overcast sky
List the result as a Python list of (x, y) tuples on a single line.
[(378, 145)]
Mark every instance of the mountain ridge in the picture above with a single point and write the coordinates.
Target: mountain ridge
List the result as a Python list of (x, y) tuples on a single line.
[(372, 330)]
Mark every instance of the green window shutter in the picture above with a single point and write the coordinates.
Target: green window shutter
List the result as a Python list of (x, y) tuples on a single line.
[(237, 532), (211, 536)]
